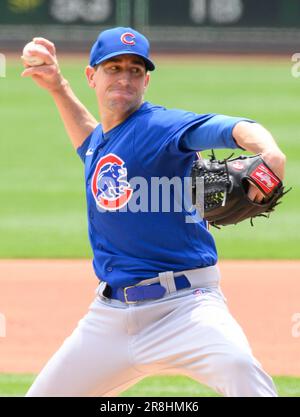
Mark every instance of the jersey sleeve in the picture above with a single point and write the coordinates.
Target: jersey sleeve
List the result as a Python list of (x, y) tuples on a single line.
[(159, 135), (179, 123), (156, 140), (82, 149), (215, 133)]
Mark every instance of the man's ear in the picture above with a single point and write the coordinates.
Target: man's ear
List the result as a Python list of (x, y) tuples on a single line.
[(90, 73), (147, 80)]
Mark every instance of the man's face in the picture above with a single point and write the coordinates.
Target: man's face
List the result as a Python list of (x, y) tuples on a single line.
[(119, 82)]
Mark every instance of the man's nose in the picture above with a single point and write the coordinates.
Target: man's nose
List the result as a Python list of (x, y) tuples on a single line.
[(125, 77)]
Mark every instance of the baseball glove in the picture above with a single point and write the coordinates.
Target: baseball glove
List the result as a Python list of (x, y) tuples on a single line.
[(220, 187)]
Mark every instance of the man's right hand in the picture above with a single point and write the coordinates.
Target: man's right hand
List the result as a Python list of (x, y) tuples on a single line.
[(48, 75)]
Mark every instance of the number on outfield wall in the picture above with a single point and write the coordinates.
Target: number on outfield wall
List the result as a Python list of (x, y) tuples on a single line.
[(198, 10), (225, 11), (68, 11)]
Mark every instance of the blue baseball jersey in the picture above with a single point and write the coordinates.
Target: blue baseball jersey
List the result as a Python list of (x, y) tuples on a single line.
[(140, 218)]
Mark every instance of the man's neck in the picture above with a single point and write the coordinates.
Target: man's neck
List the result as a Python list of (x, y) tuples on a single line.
[(110, 119)]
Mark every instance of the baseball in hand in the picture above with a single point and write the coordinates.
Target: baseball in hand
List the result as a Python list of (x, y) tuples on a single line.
[(29, 56)]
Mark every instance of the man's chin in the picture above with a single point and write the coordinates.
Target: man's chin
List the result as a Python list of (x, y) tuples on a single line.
[(123, 105)]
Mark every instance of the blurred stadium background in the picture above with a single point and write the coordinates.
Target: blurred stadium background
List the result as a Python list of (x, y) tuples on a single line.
[(171, 25)]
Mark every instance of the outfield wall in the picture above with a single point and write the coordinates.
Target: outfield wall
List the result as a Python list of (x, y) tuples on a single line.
[(247, 26)]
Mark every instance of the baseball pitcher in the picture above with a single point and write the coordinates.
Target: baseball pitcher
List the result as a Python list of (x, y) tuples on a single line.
[(158, 307)]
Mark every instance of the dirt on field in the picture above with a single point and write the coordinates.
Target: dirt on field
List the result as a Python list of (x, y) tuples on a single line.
[(41, 302)]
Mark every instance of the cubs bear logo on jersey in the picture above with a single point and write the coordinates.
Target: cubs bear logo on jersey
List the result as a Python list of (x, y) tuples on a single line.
[(110, 187)]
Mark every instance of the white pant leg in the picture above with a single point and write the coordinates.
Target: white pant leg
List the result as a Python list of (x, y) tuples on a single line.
[(93, 361), (196, 335)]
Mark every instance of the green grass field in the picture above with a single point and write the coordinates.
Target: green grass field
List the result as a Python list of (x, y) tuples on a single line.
[(154, 386), (42, 211)]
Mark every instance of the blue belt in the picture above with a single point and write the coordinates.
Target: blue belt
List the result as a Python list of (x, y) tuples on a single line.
[(135, 293)]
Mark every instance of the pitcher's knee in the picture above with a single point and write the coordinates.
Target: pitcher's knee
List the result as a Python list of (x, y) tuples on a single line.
[(240, 363), (246, 377)]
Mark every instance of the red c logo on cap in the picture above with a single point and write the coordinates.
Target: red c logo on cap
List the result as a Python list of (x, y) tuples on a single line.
[(128, 35)]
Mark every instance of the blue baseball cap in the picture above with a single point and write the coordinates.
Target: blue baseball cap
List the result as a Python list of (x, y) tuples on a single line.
[(120, 41)]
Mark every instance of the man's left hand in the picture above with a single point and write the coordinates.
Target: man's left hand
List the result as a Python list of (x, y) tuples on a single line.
[(276, 161)]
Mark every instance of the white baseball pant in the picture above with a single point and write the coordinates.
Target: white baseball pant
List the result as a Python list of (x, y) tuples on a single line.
[(188, 332)]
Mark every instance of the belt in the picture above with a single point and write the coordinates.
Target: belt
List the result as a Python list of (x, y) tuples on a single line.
[(166, 282)]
